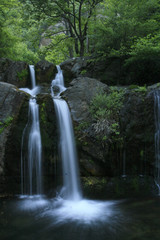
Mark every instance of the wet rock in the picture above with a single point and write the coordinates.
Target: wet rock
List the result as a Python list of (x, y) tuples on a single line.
[(108, 71), (138, 128), (45, 72), (14, 72), (73, 68), (80, 94), (12, 102), (49, 137), (135, 140)]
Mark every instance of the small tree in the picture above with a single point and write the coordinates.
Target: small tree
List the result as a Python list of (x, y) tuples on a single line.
[(75, 14)]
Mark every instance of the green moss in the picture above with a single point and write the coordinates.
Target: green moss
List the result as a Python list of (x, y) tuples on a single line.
[(43, 112), (83, 72), (6, 123), (140, 89), (22, 75), (132, 87), (94, 181), (82, 126)]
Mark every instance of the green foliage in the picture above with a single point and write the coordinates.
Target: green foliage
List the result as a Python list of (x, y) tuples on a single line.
[(83, 72), (103, 105), (98, 183), (22, 75), (121, 24), (139, 89), (142, 90), (105, 109), (82, 126), (75, 16), (43, 113), (57, 51), (6, 123), (128, 28), (13, 45), (145, 48)]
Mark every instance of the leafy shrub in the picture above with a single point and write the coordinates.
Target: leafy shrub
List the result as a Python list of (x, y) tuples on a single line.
[(103, 105), (105, 109), (22, 75)]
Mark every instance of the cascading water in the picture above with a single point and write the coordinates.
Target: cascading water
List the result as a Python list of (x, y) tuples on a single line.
[(69, 205), (157, 138), (71, 186), (31, 170)]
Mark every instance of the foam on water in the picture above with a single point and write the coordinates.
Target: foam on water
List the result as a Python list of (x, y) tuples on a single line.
[(32, 202), (82, 211)]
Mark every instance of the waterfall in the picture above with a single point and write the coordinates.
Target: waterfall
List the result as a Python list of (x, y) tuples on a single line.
[(71, 186), (31, 170), (157, 138), (32, 74), (57, 85)]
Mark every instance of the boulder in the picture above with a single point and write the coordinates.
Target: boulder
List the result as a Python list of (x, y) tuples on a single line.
[(73, 68), (108, 71), (80, 94), (16, 73), (134, 144), (12, 102), (45, 72)]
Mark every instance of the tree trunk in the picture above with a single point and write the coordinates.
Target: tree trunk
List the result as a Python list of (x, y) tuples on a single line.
[(76, 46), (82, 48)]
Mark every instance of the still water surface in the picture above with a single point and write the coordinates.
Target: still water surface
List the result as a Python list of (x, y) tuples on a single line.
[(58, 219)]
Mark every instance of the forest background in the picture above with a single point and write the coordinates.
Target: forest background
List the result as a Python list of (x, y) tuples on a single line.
[(34, 30)]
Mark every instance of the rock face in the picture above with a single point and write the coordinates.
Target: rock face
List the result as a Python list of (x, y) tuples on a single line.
[(113, 70), (13, 119), (108, 71), (45, 72), (49, 137), (16, 73), (73, 68), (80, 94), (138, 128), (105, 155), (11, 102)]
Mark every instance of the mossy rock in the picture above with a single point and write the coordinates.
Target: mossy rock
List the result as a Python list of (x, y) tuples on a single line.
[(45, 72)]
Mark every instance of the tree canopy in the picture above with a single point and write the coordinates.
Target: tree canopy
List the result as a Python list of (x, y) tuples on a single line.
[(59, 29)]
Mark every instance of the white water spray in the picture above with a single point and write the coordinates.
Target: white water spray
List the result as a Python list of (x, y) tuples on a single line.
[(31, 169)]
